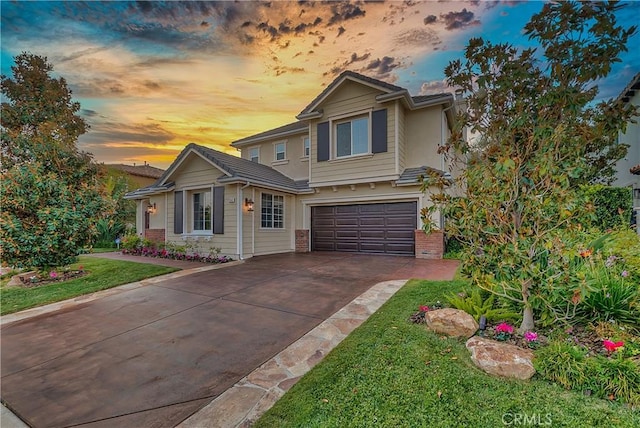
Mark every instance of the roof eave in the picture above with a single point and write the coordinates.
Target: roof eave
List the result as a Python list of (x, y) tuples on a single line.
[(317, 114), (257, 183), (251, 140)]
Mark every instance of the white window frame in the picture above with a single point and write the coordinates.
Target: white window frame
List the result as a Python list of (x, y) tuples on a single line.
[(282, 144), (257, 154), (335, 122), (306, 147), (275, 219), (192, 216)]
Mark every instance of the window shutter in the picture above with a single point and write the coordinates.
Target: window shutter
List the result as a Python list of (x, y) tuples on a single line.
[(178, 214), (323, 141), (218, 210), (379, 131)]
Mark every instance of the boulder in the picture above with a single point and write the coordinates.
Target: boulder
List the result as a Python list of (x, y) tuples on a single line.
[(452, 322), (501, 359)]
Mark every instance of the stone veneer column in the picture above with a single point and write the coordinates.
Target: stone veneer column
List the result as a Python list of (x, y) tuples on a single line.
[(429, 246), (155, 235), (302, 240)]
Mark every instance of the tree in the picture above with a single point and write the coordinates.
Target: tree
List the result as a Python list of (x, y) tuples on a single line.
[(50, 191), (537, 134)]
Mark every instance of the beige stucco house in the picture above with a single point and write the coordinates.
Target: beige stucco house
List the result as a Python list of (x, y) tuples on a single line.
[(343, 177), (628, 168)]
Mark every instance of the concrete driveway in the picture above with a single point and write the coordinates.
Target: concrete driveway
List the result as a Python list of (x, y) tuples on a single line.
[(154, 355)]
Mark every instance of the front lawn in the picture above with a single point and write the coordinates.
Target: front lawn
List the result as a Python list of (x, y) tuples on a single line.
[(391, 372), (102, 274)]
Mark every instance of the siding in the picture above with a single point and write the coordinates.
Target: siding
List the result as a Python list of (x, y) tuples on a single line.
[(353, 97), (270, 241), (402, 143), (193, 173), (296, 167), (423, 129)]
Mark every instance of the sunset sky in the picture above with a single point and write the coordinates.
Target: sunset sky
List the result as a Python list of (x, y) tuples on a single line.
[(152, 77)]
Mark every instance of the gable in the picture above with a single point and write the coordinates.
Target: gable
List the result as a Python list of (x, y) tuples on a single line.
[(193, 169)]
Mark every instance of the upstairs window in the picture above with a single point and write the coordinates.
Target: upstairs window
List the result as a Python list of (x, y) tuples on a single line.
[(254, 154), (352, 137), (281, 151), (272, 211), (306, 148)]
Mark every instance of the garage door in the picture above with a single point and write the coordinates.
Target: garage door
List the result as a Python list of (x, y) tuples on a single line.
[(365, 228)]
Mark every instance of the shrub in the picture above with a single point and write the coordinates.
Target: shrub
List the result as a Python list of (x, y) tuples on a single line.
[(562, 363), (478, 304), (131, 242), (613, 205), (615, 378)]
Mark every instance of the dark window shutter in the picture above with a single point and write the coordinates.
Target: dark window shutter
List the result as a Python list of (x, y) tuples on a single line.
[(323, 141), (178, 214), (218, 209), (379, 131)]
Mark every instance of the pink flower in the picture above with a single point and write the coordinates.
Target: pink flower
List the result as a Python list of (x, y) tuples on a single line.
[(53, 274), (624, 274), (611, 346), (424, 308), (504, 328), (531, 336)]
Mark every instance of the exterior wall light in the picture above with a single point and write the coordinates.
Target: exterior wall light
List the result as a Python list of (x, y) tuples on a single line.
[(151, 209), (249, 204)]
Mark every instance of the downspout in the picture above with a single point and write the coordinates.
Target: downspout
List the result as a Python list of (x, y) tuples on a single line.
[(240, 213)]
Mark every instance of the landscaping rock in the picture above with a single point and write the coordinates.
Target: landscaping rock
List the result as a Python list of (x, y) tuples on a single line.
[(452, 322), (501, 359)]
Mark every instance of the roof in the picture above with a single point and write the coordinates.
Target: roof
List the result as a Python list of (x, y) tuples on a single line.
[(412, 175), (390, 92), (281, 131), (138, 170), (234, 170), (630, 90), (635, 170)]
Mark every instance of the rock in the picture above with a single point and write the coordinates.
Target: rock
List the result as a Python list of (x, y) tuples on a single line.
[(501, 359), (452, 322), (20, 279)]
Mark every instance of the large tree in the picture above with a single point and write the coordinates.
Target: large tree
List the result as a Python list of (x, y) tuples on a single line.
[(50, 196), (535, 133)]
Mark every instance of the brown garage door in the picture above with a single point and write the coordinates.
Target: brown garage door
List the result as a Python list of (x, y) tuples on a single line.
[(365, 228)]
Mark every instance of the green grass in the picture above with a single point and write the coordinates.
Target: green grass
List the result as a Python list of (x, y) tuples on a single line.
[(392, 373), (103, 274)]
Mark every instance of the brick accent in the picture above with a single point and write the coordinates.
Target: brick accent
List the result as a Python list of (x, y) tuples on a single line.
[(302, 240), (155, 235), (429, 246)]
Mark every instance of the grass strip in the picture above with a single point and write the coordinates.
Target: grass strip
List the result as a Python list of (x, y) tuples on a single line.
[(103, 274), (392, 373)]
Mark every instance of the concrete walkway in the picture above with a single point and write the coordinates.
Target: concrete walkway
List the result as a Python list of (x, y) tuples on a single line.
[(322, 280)]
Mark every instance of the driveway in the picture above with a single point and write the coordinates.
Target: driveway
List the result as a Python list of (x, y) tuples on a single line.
[(154, 355)]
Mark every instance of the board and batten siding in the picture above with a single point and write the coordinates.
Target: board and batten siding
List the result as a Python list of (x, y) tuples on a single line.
[(352, 98)]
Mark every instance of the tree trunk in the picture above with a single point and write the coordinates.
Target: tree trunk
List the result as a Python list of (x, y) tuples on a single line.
[(527, 320)]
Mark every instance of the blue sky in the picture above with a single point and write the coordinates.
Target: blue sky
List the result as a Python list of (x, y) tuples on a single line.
[(152, 77)]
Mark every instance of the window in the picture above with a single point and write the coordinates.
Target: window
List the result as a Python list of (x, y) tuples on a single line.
[(254, 154), (202, 211), (306, 147), (272, 211), (352, 137), (280, 151)]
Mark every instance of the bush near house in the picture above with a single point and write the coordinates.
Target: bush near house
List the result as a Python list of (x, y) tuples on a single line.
[(137, 246), (613, 205)]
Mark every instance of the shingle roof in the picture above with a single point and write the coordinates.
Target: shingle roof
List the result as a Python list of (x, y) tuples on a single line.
[(149, 190), (635, 170), (138, 170), (234, 169), (412, 175), (281, 131), (630, 90)]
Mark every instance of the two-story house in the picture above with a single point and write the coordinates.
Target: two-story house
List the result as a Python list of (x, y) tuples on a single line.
[(343, 177)]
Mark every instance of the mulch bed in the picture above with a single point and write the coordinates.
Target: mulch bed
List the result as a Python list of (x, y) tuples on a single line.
[(35, 279)]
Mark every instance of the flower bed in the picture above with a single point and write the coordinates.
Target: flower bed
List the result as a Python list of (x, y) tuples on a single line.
[(175, 255)]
